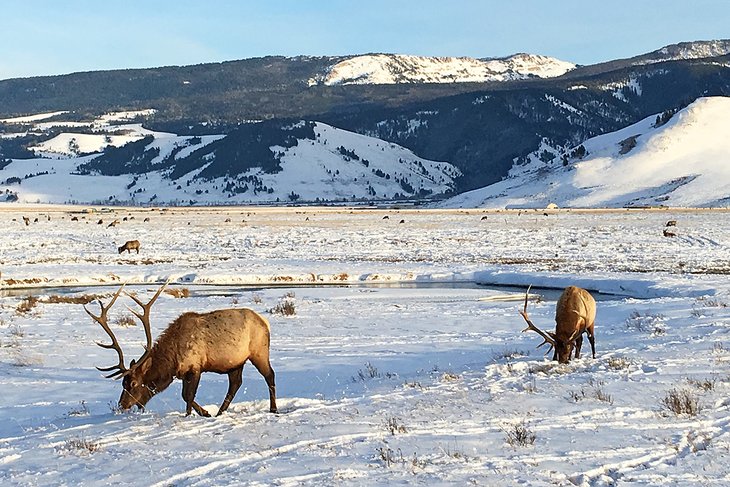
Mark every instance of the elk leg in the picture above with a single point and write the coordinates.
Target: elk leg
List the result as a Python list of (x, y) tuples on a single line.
[(190, 387), (235, 379), (264, 368), (578, 344), (592, 340)]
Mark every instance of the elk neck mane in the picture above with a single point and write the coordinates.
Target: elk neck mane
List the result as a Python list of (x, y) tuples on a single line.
[(166, 353)]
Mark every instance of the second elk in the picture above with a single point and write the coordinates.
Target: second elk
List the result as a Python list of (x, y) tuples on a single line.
[(575, 314), (220, 341)]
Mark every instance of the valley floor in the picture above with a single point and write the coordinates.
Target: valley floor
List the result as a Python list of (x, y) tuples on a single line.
[(401, 370)]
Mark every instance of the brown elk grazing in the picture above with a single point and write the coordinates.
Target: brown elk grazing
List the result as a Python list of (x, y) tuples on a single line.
[(218, 341), (575, 314), (129, 246)]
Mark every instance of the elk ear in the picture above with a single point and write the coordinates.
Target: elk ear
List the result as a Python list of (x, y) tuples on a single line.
[(131, 364)]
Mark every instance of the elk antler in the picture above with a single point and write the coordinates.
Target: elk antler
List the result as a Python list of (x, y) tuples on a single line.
[(119, 370), (546, 337), (144, 317)]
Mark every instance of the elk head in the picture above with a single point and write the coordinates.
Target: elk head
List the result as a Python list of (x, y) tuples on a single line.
[(135, 390), (575, 314)]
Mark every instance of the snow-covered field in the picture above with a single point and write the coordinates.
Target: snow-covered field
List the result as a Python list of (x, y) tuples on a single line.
[(425, 381)]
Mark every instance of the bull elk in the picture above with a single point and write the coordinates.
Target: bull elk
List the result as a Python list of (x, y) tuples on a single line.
[(218, 341), (575, 314), (129, 246)]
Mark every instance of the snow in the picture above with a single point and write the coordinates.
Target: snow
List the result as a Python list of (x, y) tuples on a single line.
[(32, 118), (378, 384), (395, 68), (679, 164)]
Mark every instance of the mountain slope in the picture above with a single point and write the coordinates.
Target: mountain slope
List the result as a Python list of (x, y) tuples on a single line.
[(679, 162), (124, 163)]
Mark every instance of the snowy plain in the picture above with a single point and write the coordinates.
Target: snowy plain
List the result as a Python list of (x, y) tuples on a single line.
[(404, 362)]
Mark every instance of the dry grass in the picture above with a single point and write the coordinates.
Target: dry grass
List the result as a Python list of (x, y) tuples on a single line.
[(81, 446), (592, 390), (125, 321), (619, 363), (26, 305), (81, 299), (178, 292), (393, 425), (519, 434), (284, 308), (682, 401)]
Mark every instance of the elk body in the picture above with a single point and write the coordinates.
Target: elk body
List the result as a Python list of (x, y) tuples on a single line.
[(575, 314), (219, 341), (129, 246)]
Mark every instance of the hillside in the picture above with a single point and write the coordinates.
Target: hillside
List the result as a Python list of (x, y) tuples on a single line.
[(122, 162), (679, 161)]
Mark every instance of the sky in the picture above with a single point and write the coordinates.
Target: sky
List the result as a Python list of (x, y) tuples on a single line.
[(45, 37)]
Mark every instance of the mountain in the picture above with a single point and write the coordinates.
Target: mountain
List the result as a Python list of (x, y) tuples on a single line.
[(672, 159), (120, 162), (395, 69), (250, 113)]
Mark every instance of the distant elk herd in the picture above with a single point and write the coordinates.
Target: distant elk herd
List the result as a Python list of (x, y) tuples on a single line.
[(222, 341)]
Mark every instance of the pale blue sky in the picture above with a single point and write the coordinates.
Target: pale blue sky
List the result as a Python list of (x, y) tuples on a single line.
[(55, 36)]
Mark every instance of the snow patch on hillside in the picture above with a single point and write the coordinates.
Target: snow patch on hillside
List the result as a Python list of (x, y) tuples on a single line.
[(681, 163), (392, 69)]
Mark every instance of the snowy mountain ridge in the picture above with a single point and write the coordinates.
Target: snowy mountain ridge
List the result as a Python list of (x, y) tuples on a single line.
[(676, 161), (688, 50), (398, 68)]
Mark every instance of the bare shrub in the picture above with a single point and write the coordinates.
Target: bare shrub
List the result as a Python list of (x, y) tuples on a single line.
[(178, 292), (386, 455), (449, 377), (646, 323), (81, 446), (682, 401), (509, 354), (125, 321), (592, 390), (27, 304), (519, 434), (619, 363), (257, 298), (285, 307), (548, 368), (703, 384), (393, 425), (81, 410), (290, 295), (370, 372)]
